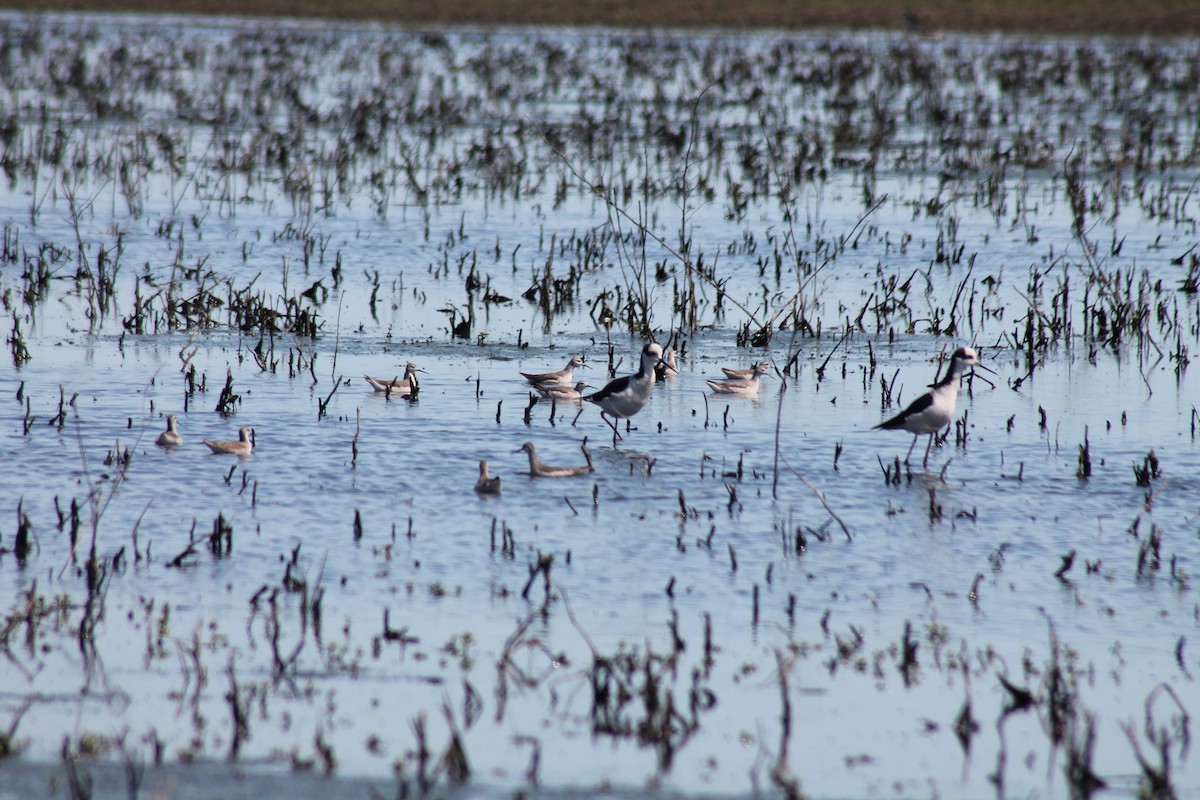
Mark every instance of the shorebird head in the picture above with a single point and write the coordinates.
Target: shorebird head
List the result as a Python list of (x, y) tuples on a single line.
[(525, 448), (172, 422), (652, 356), (411, 369), (967, 357), (246, 434), (577, 362), (579, 387)]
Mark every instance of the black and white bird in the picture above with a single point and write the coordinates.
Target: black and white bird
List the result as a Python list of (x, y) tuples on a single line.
[(627, 395), (564, 377), (933, 410)]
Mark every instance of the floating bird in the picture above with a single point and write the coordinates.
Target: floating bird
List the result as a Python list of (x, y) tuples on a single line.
[(539, 470), (747, 385), (563, 394), (170, 437), (244, 446), (487, 484), (625, 396), (401, 387), (763, 367), (932, 411), (664, 370), (564, 377)]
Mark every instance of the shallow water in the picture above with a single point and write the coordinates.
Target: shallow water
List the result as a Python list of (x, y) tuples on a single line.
[(691, 521)]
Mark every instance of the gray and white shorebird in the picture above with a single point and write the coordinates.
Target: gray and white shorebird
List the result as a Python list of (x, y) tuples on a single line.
[(400, 387), (243, 447), (763, 367), (170, 437), (625, 396), (562, 394), (667, 368), (537, 469), (933, 410), (487, 484), (747, 384), (564, 377)]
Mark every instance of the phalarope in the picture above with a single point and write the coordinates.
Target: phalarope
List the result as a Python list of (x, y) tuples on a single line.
[(747, 384), (170, 437), (627, 395), (933, 410), (563, 377), (244, 446), (664, 370), (401, 387), (563, 394), (763, 367), (487, 484), (539, 470)]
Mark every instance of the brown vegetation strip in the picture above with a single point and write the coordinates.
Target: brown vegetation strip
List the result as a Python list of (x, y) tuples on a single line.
[(1063, 16)]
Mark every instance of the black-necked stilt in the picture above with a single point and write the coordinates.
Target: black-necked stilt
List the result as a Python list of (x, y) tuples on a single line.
[(563, 377), (563, 394), (170, 437), (626, 396), (539, 470), (745, 382), (932, 411), (401, 387), (487, 484), (244, 446)]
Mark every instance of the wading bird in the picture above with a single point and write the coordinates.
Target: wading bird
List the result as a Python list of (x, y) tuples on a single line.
[(933, 410), (627, 395)]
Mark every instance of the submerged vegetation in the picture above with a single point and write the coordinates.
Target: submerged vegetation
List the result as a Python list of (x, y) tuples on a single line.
[(241, 215)]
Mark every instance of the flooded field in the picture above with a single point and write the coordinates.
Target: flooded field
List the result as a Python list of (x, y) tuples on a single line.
[(233, 222)]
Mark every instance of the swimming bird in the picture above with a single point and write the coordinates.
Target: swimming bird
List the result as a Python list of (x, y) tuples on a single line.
[(563, 394), (401, 387), (746, 385), (487, 484), (563, 377), (243, 447), (763, 367), (539, 470), (626, 396), (664, 370), (170, 437), (933, 410)]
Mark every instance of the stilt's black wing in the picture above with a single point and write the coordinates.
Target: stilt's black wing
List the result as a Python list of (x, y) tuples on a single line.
[(915, 407), (614, 387)]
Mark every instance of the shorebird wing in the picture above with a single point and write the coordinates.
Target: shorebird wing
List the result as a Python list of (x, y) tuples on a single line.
[(915, 407), (614, 387)]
